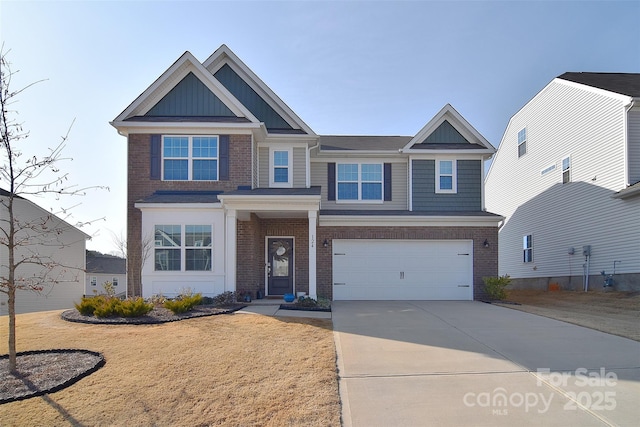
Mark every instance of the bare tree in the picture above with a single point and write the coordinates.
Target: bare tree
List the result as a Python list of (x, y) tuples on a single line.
[(139, 253), (29, 242)]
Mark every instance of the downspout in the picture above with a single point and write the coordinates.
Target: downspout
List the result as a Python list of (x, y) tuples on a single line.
[(625, 119)]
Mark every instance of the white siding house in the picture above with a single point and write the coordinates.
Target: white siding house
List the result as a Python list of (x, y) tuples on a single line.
[(52, 239), (563, 177)]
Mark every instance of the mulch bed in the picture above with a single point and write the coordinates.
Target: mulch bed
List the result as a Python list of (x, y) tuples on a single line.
[(155, 316), (297, 307)]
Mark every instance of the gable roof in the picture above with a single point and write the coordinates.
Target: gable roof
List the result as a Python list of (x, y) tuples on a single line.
[(362, 143), (622, 83), (448, 131)]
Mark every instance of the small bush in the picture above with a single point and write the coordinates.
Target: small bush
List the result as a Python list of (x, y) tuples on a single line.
[(88, 305), (109, 308), (495, 286), (225, 299), (183, 303), (134, 307), (157, 299), (306, 302)]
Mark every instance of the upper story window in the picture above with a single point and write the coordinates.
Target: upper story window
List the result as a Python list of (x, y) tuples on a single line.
[(190, 158), (179, 248), (359, 181), (94, 280), (280, 167), (566, 170), (527, 248), (522, 142), (446, 176), (114, 282)]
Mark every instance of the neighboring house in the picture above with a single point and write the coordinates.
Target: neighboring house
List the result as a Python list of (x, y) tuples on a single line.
[(231, 191), (566, 177), (102, 268), (52, 240)]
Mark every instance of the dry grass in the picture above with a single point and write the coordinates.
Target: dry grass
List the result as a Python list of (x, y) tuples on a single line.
[(240, 370), (616, 313)]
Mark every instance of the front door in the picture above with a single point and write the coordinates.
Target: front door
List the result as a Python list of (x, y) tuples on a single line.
[(280, 263)]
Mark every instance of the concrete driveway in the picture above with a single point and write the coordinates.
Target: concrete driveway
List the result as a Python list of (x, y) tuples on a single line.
[(450, 363)]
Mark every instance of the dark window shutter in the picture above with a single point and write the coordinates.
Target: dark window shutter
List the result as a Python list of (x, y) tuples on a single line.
[(331, 181), (156, 147), (223, 158), (387, 182)]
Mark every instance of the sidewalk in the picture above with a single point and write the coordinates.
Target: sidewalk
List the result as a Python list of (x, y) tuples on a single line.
[(271, 307)]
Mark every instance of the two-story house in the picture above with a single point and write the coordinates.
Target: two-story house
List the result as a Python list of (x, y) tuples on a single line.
[(49, 254), (102, 269), (567, 178), (229, 190)]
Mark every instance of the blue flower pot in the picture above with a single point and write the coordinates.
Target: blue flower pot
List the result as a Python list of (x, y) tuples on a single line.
[(289, 297)]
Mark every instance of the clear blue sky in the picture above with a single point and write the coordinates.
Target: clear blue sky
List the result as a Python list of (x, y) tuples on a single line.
[(345, 67)]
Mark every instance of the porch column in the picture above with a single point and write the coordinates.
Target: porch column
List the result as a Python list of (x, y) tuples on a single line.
[(230, 251), (313, 219)]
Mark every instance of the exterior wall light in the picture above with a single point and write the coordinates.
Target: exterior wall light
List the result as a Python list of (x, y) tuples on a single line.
[(325, 243), (486, 243)]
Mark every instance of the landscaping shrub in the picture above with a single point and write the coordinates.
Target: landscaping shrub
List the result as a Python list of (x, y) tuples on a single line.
[(88, 305), (183, 303), (495, 286), (225, 299), (108, 308), (134, 307)]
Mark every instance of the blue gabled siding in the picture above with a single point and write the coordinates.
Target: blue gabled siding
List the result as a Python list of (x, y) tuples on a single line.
[(190, 98), (468, 198), (250, 99), (445, 134)]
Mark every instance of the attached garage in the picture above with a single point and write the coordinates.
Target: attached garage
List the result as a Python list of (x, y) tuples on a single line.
[(402, 269)]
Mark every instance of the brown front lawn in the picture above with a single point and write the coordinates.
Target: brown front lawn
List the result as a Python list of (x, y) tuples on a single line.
[(238, 369)]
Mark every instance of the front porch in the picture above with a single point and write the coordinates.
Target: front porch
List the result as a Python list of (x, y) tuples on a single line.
[(273, 248)]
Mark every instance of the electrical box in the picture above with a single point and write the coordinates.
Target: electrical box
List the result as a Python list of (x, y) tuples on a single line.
[(586, 250)]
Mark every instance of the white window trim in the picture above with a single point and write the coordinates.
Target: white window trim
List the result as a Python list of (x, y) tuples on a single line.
[(527, 248), (519, 143), (454, 177), (562, 170), (189, 158), (272, 183), (114, 281), (183, 250), (93, 280), (360, 181)]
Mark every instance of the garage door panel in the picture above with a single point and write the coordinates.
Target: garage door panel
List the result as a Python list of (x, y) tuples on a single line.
[(402, 269)]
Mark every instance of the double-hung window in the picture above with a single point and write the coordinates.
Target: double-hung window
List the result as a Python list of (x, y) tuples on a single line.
[(114, 282), (280, 167), (359, 181), (190, 158), (566, 170), (94, 280), (522, 142), (175, 243), (527, 248), (446, 181)]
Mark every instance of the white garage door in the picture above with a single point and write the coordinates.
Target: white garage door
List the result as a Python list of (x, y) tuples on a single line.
[(402, 269)]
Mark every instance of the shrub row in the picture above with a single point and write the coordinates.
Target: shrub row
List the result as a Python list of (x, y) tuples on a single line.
[(105, 306)]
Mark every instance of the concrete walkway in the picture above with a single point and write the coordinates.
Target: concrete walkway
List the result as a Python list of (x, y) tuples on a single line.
[(447, 363), (272, 308)]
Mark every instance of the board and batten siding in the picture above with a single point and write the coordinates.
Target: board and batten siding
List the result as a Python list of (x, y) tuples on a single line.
[(469, 187), (399, 200), (299, 167), (634, 146), (587, 125)]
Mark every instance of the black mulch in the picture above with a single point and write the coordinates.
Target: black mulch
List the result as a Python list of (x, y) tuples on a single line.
[(297, 307)]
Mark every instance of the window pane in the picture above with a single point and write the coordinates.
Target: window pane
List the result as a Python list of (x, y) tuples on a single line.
[(198, 259), (371, 191), (348, 172), (197, 235), (205, 146), (168, 259), (372, 173), (347, 191), (176, 170), (522, 149), (281, 158), (176, 146), (281, 175), (446, 183), (205, 170), (522, 136), (446, 167), (168, 235)]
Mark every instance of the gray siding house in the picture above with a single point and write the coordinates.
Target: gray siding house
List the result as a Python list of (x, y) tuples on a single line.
[(229, 190), (567, 179)]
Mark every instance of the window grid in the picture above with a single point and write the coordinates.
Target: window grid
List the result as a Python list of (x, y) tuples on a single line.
[(527, 248), (359, 182), (522, 142), (171, 247), (566, 170), (190, 158), (281, 166)]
